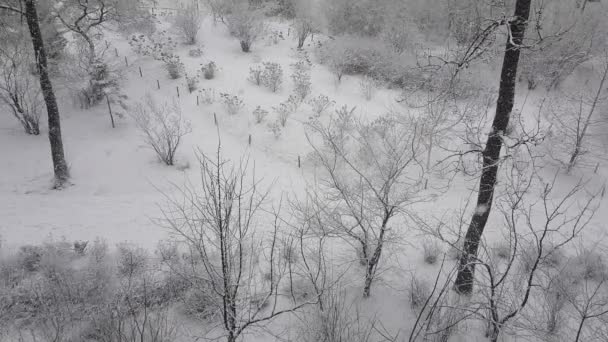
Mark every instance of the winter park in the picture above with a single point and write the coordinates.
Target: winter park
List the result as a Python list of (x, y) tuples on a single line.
[(303, 170)]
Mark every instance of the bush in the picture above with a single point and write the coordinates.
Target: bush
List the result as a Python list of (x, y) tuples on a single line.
[(188, 21), (255, 75), (232, 103), (418, 292), (590, 265), (132, 260), (276, 128), (195, 53), (209, 70), (174, 66), (272, 76), (320, 104), (431, 249), (158, 45), (259, 114), (246, 25), (348, 55), (207, 95), (163, 127), (301, 79), (192, 82), (285, 109)]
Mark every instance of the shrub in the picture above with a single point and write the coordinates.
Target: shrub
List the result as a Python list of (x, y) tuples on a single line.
[(301, 79), (418, 292), (174, 66), (29, 257), (255, 75), (163, 127), (207, 95), (285, 109), (246, 25), (80, 247), (192, 82), (195, 53), (272, 76), (431, 250), (276, 128), (320, 104), (590, 265), (233, 103), (131, 259), (259, 114), (502, 250), (188, 21), (158, 45), (209, 70)]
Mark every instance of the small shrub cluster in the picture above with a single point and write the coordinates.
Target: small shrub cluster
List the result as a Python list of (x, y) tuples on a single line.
[(195, 53), (255, 75), (207, 95), (301, 79), (174, 66), (368, 86), (276, 128), (208, 70), (320, 104), (232, 103), (285, 109), (432, 250), (246, 25), (418, 292), (157, 45), (192, 82), (259, 114), (272, 76)]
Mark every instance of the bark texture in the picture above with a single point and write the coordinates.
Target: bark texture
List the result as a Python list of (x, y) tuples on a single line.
[(491, 153)]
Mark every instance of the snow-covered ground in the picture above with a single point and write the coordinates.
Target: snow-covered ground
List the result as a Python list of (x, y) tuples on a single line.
[(118, 183)]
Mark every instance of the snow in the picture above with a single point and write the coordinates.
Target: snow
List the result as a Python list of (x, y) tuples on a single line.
[(118, 183)]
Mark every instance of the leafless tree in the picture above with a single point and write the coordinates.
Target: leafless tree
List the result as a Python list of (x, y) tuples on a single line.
[(246, 24), (366, 182), (216, 222), (17, 87), (162, 126), (188, 21), (491, 153), (60, 166)]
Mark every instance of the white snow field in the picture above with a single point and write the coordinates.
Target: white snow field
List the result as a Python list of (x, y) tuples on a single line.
[(118, 183)]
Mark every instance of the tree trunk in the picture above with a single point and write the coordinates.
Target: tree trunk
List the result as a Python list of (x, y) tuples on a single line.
[(60, 166), (491, 153)]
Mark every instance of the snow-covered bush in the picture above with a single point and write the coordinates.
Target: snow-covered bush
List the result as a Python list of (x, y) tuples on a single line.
[(418, 292), (192, 82), (209, 70), (320, 104), (431, 251), (255, 75), (232, 103), (301, 79), (285, 109), (272, 76), (360, 17), (207, 95), (276, 128), (174, 66), (259, 114), (163, 127), (246, 25), (348, 55), (157, 45), (188, 22), (131, 259), (195, 53)]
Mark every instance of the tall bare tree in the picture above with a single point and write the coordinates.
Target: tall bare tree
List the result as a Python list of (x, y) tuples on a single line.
[(516, 27), (27, 8)]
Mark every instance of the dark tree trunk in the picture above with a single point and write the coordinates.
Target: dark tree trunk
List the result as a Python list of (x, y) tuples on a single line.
[(59, 164), (491, 153)]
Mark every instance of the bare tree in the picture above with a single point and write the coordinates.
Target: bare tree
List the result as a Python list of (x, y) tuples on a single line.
[(366, 183), (162, 126), (188, 21), (573, 120), (537, 231), (491, 153), (216, 223), (60, 166), (17, 90), (245, 24)]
